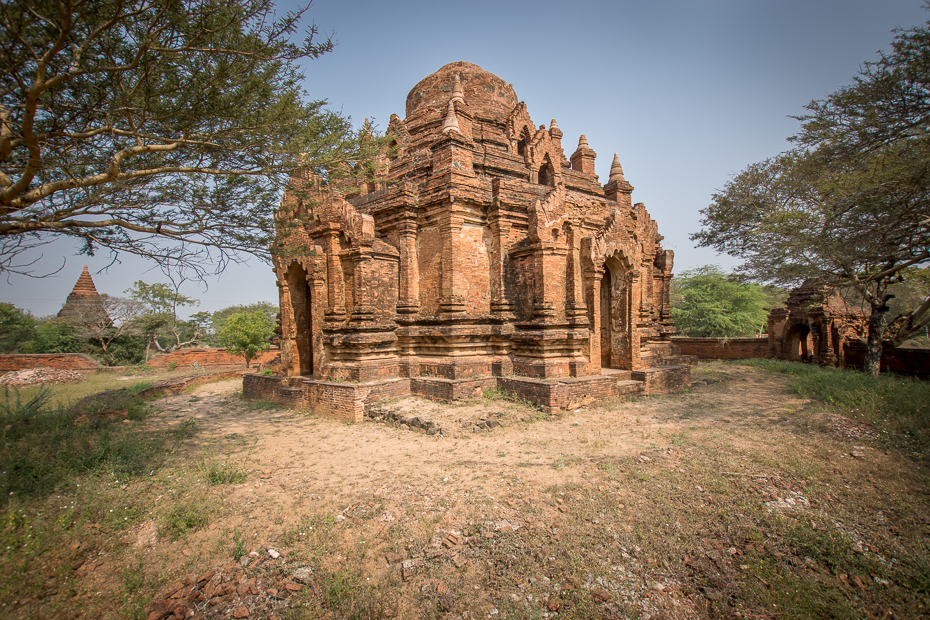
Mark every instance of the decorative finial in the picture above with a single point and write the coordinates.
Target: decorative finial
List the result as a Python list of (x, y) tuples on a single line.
[(553, 125), (583, 143), (452, 122), (616, 170), (458, 93)]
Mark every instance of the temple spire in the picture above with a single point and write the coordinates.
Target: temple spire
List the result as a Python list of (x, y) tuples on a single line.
[(616, 170), (452, 122), (458, 93), (84, 287)]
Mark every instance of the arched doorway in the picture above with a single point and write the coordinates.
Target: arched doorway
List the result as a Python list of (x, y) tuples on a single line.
[(606, 305), (301, 307), (800, 344), (615, 320)]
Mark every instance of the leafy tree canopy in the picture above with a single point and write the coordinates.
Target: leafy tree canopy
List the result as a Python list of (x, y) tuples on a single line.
[(57, 336), (220, 317), (246, 334), (850, 204), (161, 324), (163, 128), (710, 304), (17, 327)]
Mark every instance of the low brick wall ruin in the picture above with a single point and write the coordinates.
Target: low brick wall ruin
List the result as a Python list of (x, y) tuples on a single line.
[(213, 359), (66, 361), (914, 362), (724, 348), (346, 401), (208, 357)]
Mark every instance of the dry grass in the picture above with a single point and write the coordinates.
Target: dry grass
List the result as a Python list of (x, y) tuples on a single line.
[(132, 377), (735, 499)]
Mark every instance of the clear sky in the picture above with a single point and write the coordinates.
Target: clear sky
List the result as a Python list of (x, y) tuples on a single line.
[(688, 92)]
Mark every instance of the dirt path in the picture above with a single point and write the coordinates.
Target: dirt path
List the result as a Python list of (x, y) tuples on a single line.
[(301, 454), (703, 504)]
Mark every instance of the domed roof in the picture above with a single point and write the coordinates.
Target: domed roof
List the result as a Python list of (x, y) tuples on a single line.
[(484, 91)]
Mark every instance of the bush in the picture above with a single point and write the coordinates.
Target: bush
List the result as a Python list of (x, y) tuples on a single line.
[(246, 334)]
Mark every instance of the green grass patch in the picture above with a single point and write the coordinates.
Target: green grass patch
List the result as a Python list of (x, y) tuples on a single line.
[(183, 517), (224, 471), (43, 448), (897, 406)]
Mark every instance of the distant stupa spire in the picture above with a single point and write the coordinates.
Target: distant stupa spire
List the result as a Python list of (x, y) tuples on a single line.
[(84, 305)]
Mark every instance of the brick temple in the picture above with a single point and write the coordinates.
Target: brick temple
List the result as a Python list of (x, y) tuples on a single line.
[(84, 306), (817, 325), (479, 256)]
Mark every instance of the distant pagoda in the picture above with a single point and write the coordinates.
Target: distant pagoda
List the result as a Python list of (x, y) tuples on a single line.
[(84, 305)]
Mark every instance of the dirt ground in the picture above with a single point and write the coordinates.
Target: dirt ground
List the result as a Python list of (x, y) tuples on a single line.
[(733, 499)]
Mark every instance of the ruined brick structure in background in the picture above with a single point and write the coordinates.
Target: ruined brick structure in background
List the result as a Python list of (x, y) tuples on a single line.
[(84, 305), (816, 325), (481, 257)]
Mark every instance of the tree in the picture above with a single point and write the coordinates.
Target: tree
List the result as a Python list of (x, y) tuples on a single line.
[(161, 324), (163, 128), (17, 327), (56, 336), (220, 317), (246, 334), (710, 304), (850, 204), (118, 320)]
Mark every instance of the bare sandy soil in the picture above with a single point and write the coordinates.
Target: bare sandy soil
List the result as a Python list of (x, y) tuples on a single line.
[(702, 504)]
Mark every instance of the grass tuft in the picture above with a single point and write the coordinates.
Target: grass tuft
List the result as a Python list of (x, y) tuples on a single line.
[(898, 406)]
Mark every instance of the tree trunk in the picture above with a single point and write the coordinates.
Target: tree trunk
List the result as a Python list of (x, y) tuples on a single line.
[(873, 344)]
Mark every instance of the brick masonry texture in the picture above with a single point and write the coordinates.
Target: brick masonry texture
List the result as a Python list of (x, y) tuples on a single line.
[(724, 348), (211, 358), (69, 361), (477, 250), (214, 359)]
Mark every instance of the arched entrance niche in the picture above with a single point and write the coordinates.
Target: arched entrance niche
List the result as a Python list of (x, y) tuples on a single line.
[(800, 343), (615, 314), (301, 299)]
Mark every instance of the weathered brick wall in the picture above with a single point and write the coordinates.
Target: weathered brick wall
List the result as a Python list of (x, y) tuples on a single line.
[(724, 348), (436, 388), (68, 361), (340, 401), (904, 361), (257, 387), (207, 357), (664, 380)]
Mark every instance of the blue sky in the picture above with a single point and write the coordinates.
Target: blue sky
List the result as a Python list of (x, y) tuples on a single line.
[(687, 92)]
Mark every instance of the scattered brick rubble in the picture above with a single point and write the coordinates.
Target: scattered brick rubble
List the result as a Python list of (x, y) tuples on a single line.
[(40, 376), (405, 422), (256, 587)]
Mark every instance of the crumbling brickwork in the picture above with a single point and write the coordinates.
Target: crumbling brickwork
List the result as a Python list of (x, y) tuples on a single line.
[(210, 358), (479, 250), (816, 325), (70, 361)]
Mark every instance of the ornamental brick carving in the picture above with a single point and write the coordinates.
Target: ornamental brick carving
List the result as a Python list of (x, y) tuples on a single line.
[(479, 250)]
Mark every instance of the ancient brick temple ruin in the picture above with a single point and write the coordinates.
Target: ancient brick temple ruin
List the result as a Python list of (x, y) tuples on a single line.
[(816, 325), (84, 305), (480, 257)]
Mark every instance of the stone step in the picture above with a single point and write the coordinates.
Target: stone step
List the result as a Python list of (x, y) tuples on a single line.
[(629, 387)]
